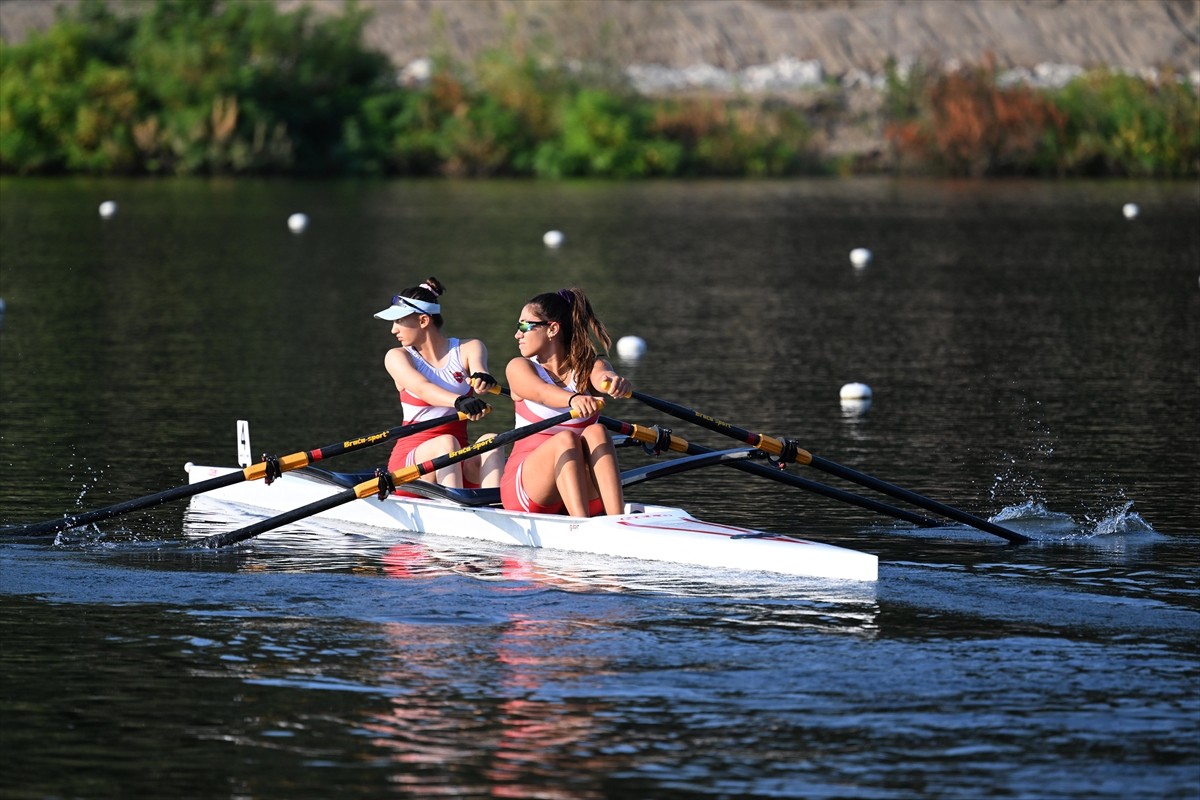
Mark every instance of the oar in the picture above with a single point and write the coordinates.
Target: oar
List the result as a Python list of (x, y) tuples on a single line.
[(789, 451), (263, 469), (652, 437), (386, 482)]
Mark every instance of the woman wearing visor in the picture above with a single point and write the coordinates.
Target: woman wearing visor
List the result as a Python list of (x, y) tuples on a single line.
[(438, 376)]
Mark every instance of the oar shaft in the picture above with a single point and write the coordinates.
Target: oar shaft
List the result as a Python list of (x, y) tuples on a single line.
[(647, 436), (778, 447), (836, 494), (100, 514), (256, 471), (262, 526), (921, 501)]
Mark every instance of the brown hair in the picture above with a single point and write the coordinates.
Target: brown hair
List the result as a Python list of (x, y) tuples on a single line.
[(429, 291), (584, 333)]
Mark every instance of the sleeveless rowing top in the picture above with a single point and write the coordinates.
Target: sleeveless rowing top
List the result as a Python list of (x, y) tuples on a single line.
[(529, 412), (452, 377)]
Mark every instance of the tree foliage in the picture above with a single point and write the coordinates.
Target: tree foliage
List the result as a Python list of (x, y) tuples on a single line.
[(964, 122)]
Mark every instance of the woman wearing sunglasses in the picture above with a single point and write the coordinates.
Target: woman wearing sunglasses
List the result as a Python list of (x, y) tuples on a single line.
[(570, 467), (437, 376)]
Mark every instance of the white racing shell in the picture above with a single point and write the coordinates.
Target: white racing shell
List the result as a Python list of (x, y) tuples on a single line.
[(658, 533)]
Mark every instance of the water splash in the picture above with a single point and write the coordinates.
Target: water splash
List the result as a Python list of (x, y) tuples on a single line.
[(1035, 519), (1019, 476), (1120, 521)]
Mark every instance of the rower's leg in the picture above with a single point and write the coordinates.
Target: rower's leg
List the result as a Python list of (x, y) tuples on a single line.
[(450, 476), (556, 471), (486, 469), (606, 475)]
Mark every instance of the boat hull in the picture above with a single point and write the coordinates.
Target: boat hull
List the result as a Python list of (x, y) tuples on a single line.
[(659, 533)]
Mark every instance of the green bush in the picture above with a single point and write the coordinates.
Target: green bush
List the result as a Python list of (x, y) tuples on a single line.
[(1123, 125), (65, 102), (190, 86)]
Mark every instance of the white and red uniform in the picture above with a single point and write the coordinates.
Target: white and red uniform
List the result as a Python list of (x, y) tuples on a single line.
[(512, 494), (452, 377)]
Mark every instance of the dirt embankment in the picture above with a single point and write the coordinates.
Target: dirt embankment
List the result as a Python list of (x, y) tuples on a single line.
[(842, 35)]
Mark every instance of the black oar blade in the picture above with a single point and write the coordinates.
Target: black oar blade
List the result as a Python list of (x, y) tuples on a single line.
[(89, 517)]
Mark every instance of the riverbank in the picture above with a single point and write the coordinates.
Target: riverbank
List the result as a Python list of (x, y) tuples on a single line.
[(834, 64)]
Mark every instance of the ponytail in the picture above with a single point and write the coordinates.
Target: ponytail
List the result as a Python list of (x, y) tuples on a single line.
[(583, 331)]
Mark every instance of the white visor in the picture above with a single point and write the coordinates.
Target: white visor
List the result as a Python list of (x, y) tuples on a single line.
[(401, 307)]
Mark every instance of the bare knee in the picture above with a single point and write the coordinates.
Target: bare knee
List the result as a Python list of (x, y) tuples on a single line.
[(596, 437), (436, 446), (565, 441)]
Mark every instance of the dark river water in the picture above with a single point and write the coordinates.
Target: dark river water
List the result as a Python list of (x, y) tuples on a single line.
[(1035, 360)]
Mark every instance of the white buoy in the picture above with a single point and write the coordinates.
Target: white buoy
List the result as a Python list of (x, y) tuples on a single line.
[(297, 223), (631, 347), (855, 391), (108, 209), (1130, 210), (860, 256), (553, 238)]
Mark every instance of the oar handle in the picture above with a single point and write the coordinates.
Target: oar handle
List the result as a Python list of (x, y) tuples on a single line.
[(398, 477), (768, 444)]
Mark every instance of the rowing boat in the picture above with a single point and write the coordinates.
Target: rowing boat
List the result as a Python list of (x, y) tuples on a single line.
[(654, 532)]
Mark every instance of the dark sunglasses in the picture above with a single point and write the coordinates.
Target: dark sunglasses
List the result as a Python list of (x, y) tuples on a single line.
[(398, 300), (526, 327)]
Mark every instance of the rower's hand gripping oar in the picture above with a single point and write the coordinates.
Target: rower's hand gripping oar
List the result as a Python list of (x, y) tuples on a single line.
[(788, 451), (666, 440), (386, 482), (269, 468)]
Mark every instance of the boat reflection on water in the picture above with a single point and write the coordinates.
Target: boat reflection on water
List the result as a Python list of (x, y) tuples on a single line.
[(494, 709)]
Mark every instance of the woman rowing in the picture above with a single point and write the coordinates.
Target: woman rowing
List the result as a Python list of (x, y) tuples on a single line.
[(437, 376), (571, 467)]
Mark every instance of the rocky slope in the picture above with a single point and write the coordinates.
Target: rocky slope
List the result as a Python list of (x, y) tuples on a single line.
[(842, 35)]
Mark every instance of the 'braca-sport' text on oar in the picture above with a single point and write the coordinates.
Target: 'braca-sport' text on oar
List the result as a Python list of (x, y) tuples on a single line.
[(788, 451), (665, 440), (268, 469), (386, 482)]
